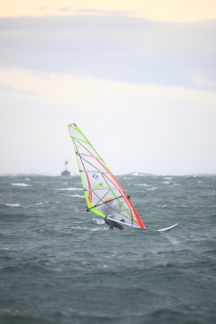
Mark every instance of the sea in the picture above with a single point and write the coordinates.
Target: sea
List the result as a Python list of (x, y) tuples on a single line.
[(60, 264)]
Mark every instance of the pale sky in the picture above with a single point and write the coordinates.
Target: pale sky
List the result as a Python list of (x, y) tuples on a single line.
[(138, 78)]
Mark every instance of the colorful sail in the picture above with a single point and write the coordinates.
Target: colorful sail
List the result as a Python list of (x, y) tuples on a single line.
[(104, 195)]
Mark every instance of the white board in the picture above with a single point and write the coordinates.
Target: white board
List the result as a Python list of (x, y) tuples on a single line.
[(167, 229)]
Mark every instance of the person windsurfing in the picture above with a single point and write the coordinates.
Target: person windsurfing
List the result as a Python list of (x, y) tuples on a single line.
[(108, 209)]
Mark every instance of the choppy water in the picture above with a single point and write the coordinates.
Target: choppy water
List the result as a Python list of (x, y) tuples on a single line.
[(60, 264)]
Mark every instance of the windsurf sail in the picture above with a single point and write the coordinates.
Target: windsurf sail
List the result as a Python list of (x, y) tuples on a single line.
[(104, 195)]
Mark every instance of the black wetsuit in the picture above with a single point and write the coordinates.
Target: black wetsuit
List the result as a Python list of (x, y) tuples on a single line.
[(108, 209), (113, 224)]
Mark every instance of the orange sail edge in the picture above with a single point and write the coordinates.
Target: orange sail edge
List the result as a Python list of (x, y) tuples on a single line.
[(140, 222), (138, 218)]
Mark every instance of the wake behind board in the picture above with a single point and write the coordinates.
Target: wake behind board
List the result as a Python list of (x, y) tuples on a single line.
[(167, 229)]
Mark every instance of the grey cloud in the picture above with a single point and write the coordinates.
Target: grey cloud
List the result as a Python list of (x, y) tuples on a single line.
[(115, 47)]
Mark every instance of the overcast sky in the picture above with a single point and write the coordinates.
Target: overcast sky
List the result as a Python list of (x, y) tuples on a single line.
[(139, 81)]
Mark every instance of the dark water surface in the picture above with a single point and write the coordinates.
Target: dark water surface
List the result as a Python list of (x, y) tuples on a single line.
[(60, 264)]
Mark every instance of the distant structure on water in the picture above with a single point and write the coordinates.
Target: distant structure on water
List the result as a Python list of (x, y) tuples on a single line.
[(65, 172)]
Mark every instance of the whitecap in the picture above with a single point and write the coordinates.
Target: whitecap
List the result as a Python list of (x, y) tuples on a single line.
[(98, 229), (139, 174), (79, 227), (76, 196), (13, 205), (69, 189), (142, 184), (38, 204), (212, 193), (20, 184), (98, 221)]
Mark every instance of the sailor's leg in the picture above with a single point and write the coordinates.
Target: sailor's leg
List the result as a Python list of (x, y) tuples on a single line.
[(109, 223), (106, 221), (119, 226)]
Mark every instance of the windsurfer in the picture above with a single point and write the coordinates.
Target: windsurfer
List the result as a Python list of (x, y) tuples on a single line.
[(108, 209)]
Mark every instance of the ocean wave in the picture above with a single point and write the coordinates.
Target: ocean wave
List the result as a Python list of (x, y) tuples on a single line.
[(20, 184), (139, 174), (12, 205), (83, 228), (69, 189), (92, 229), (95, 229), (98, 221), (66, 251), (153, 188), (161, 206)]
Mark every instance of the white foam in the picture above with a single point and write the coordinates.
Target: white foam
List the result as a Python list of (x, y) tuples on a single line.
[(13, 205), (76, 196), (94, 229), (140, 174), (98, 229), (172, 239), (38, 204), (69, 189), (142, 184), (79, 227), (20, 184), (162, 206), (98, 221)]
